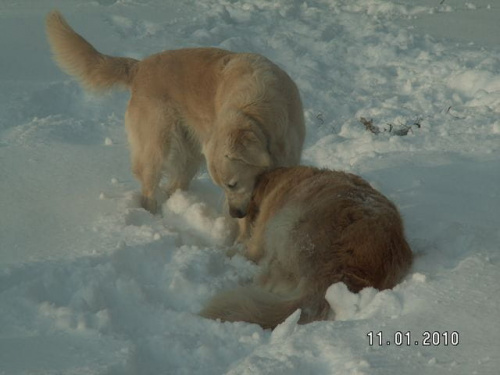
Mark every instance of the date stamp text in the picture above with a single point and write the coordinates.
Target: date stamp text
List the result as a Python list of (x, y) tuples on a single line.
[(401, 338)]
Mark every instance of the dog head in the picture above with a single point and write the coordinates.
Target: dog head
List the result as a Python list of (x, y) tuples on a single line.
[(235, 159)]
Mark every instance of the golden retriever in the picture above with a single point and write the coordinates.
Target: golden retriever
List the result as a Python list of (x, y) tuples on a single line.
[(311, 228), (238, 110)]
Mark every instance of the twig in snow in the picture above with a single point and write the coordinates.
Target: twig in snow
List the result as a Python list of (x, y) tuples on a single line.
[(401, 129), (404, 129), (369, 125), (418, 122)]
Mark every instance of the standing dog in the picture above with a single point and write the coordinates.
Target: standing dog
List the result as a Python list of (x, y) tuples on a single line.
[(312, 228), (239, 110)]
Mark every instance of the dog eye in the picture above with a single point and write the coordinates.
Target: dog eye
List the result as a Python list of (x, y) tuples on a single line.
[(232, 185)]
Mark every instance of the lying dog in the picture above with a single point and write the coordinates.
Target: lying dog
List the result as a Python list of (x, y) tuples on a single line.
[(239, 110), (312, 228)]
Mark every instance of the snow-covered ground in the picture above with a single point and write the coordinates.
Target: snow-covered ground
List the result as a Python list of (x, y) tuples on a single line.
[(92, 284)]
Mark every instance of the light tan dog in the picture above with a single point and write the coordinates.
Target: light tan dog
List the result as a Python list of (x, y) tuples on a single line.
[(312, 228), (239, 110)]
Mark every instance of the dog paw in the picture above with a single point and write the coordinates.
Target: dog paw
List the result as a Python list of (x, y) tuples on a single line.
[(236, 249), (149, 204)]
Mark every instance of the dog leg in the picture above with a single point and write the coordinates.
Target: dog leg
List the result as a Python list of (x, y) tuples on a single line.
[(255, 247), (243, 231), (146, 130), (147, 169), (184, 159)]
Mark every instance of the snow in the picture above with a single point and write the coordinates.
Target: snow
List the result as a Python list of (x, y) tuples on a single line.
[(90, 283)]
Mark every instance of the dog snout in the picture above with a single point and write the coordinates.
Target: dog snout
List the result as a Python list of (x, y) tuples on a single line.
[(236, 213)]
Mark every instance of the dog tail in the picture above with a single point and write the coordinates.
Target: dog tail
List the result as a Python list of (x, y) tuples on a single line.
[(80, 59), (267, 309)]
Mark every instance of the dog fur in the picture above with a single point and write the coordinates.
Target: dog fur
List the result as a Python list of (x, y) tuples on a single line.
[(311, 228), (238, 110)]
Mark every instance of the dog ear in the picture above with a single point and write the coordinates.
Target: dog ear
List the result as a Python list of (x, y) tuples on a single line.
[(246, 146)]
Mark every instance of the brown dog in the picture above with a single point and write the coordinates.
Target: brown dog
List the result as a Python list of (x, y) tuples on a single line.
[(239, 110), (312, 228)]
